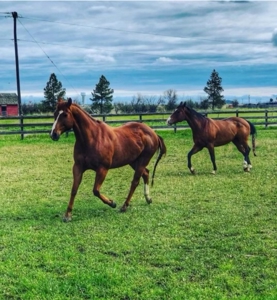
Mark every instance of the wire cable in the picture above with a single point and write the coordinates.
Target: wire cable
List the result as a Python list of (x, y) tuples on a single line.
[(47, 56)]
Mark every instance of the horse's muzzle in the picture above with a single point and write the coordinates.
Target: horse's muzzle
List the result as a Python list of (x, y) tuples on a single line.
[(168, 121), (54, 136)]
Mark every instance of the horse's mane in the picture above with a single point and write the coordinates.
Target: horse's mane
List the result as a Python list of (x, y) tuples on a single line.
[(86, 113), (196, 114)]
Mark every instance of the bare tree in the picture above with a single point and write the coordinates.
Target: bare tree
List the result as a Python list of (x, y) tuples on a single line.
[(170, 99)]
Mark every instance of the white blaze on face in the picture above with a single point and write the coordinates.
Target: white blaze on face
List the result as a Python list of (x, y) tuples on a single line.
[(169, 119), (56, 121)]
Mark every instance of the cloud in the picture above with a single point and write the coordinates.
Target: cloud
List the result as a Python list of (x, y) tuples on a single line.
[(140, 45), (98, 57), (274, 37), (165, 61)]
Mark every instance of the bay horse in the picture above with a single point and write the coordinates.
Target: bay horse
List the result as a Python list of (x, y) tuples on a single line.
[(100, 147), (209, 133)]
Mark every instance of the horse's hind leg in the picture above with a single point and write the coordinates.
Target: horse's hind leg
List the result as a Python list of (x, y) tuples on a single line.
[(244, 149), (145, 177), (139, 171), (99, 179), (246, 163)]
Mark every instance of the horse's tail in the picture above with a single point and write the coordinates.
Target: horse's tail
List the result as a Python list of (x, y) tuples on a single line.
[(162, 151), (253, 133)]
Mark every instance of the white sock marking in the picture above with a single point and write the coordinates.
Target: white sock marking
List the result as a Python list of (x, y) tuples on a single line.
[(146, 191)]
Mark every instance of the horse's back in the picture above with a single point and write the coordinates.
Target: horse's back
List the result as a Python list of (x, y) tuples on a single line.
[(136, 129), (239, 121)]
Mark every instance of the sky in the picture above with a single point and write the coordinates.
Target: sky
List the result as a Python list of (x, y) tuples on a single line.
[(141, 47)]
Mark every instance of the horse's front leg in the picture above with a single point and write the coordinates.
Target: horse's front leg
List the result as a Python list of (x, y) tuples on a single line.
[(194, 150), (77, 178), (99, 179), (212, 156)]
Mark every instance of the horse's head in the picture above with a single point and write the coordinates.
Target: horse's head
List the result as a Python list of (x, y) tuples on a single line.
[(178, 115), (63, 119)]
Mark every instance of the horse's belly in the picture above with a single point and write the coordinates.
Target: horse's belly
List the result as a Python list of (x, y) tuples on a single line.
[(221, 143), (124, 158)]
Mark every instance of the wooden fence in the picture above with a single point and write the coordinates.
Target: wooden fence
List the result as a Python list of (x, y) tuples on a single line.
[(23, 125)]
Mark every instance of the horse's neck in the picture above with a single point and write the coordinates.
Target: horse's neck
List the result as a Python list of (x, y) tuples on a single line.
[(195, 123), (84, 126)]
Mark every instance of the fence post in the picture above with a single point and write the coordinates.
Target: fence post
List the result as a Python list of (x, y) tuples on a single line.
[(237, 113), (266, 118), (175, 128), (140, 118), (21, 126)]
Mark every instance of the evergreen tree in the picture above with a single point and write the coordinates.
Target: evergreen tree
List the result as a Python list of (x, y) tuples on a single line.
[(52, 92), (214, 90), (102, 97), (204, 104)]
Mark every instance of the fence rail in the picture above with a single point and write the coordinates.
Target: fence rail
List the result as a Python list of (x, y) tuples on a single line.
[(23, 125)]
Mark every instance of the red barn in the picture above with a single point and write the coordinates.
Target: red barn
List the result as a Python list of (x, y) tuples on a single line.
[(8, 104)]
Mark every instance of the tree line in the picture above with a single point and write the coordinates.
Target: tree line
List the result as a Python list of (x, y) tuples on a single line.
[(102, 98)]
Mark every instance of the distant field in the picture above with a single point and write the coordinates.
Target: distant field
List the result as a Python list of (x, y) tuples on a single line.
[(203, 237)]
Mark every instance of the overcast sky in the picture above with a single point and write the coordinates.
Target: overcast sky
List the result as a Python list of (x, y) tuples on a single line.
[(141, 47)]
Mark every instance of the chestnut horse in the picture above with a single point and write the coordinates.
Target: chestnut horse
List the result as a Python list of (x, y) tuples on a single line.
[(100, 147), (211, 133)]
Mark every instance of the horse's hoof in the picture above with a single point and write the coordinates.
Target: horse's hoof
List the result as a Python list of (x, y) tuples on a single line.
[(192, 171), (149, 200), (123, 208), (67, 218), (112, 204), (246, 169), (213, 172)]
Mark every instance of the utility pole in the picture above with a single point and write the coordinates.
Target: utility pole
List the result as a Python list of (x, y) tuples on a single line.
[(15, 15)]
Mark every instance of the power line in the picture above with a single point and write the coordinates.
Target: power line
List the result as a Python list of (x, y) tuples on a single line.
[(47, 55), (88, 48), (104, 28), (146, 33)]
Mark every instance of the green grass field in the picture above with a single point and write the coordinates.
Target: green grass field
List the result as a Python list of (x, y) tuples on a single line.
[(203, 237)]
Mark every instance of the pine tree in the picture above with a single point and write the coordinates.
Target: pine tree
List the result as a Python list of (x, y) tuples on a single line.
[(214, 90), (102, 97), (52, 92)]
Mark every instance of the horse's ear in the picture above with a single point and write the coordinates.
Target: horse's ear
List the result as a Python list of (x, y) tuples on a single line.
[(185, 103), (69, 102)]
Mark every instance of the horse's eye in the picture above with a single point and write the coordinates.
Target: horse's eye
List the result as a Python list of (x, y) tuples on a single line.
[(65, 115)]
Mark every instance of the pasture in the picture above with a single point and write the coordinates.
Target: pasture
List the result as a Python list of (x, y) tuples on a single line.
[(203, 237)]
